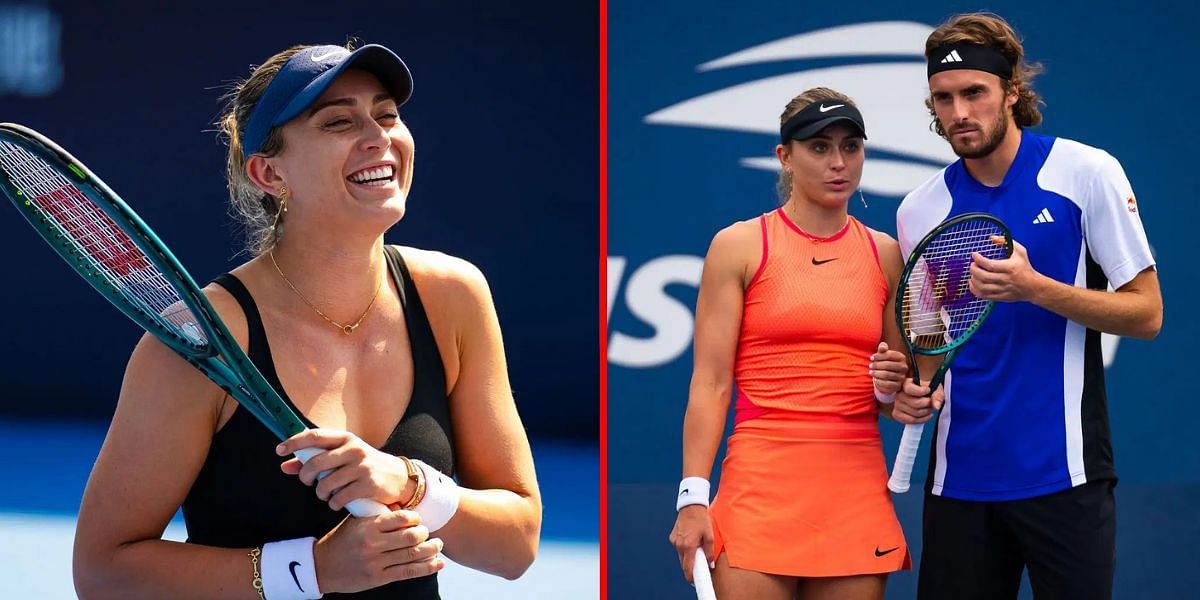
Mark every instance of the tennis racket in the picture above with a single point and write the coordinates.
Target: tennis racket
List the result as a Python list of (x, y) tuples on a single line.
[(108, 245), (935, 309), (702, 578)]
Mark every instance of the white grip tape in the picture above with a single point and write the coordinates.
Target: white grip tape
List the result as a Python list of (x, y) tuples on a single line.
[(702, 578), (906, 455), (362, 507)]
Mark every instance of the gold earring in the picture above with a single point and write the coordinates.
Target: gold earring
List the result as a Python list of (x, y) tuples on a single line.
[(283, 198)]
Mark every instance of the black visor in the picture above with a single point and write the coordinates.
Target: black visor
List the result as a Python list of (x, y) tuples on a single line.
[(815, 117)]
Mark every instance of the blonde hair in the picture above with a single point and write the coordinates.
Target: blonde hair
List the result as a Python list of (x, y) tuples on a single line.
[(783, 185), (991, 30), (257, 211)]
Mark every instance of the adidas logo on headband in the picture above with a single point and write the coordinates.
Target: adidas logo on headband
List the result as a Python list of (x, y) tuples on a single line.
[(968, 55), (952, 57)]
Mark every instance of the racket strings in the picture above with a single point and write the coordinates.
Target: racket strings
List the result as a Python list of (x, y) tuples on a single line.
[(106, 247), (938, 305)]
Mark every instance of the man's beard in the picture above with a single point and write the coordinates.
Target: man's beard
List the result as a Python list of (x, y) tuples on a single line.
[(990, 143)]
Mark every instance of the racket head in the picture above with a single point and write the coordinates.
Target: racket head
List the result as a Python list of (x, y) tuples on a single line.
[(106, 243), (935, 309)]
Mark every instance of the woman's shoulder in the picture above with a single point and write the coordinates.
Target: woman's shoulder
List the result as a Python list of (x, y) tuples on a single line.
[(442, 274), (890, 258), (153, 367), (883, 241), (738, 235)]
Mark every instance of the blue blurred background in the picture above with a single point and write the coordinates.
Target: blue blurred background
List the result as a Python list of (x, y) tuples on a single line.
[(505, 116), (694, 104)]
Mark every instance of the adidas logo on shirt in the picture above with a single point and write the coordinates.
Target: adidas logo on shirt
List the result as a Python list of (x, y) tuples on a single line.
[(952, 57), (1044, 217)]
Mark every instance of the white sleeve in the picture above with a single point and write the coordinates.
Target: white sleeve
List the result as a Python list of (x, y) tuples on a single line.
[(904, 237), (921, 211), (1112, 227), (910, 227)]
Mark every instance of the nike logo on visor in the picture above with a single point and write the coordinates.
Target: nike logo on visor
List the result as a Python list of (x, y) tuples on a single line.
[(824, 108), (328, 55)]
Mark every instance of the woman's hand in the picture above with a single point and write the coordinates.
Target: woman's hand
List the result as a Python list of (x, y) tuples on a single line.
[(355, 469), (364, 553), (692, 530), (888, 369)]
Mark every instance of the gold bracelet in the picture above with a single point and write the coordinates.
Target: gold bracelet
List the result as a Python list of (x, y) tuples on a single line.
[(256, 583), (417, 477), (419, 493)]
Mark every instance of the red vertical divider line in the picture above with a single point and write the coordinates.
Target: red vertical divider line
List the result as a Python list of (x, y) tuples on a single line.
[(603, 299)]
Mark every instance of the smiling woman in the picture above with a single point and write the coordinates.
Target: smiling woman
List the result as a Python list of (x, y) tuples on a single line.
[(392, 355), (259, 208)]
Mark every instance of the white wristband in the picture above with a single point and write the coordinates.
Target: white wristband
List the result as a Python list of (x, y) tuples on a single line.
[(885, 398), (289, 571), (692, 490), (441, 498)]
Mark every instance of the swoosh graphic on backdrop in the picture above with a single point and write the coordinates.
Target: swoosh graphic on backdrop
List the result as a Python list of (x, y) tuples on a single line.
[(881, 38), (890, 95)]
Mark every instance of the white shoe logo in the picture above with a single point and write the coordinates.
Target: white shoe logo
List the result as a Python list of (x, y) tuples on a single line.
[(327, 55), (952, 57), (1044, 217), (824, 108)]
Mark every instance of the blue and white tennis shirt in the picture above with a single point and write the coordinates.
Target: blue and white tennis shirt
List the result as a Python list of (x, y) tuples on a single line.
[(1027, 414)]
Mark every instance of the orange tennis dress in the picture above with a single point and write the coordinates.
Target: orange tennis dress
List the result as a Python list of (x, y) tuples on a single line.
[(803, 489)]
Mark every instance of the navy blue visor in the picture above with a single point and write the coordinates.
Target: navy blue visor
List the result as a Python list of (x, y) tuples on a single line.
[(307, 74)]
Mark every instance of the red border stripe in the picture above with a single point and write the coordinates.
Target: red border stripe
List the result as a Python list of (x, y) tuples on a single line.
[(603, 298)]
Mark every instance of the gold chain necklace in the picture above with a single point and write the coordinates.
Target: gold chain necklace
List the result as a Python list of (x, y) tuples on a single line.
[(346, 329)]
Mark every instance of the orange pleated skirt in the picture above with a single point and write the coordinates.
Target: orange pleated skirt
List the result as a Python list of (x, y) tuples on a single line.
[(806, 495)]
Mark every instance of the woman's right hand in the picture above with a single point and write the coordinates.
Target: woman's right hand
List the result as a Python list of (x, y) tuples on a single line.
[(692, 530), (888, 369), (367, 552)]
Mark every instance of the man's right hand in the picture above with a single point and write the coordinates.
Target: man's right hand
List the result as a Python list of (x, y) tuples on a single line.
[(915, 405)]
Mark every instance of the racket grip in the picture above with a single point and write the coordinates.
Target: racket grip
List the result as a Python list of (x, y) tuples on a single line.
[(701, 577), (910, 442), (362, 507)]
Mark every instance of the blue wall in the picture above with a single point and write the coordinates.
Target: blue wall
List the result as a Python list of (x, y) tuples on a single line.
[(691, 117), (505, 115)]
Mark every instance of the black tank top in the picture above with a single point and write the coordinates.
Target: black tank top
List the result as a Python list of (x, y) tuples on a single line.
[(241, 499)]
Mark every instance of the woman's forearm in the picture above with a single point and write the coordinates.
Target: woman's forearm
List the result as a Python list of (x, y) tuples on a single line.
[(156, 569), (495, 531), (703, 426)]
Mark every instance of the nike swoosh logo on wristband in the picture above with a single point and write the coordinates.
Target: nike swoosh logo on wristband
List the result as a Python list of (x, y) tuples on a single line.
[(292, 567)]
